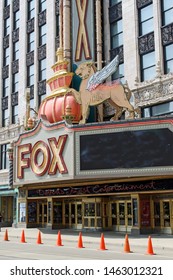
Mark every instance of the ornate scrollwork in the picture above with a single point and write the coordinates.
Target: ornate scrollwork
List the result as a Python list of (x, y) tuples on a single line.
[(16, 4), (146, 43), (143, 3), (14, 98), (42, 18), (6, 42), (57, 7), (30, 25), (5, 72), (42, 87), (30, 58), (154, 91), (15, 35), (42, 52), (5, 103), (115, 12), (167, 34), (117, 51), (15, 66), (6, 12)]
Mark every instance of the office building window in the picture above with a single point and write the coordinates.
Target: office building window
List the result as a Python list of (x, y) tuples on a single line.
[(42, 35), (147, 66), (16, 50), (31, 9), (114, 2), (6, 27), (146, 20), (14, 97), (158, 110), (4, 164), (116, 33), (5, 91), (167, 12), (31, 42), (16, 20), (15, 113), (30, 75), (15, 82), (5, 117), (7, 2), (168, 59), (167, 39), (42, 69), (42, 5), (30, 84), (119, 74), (6, 60), (146, 42), (42, 81)]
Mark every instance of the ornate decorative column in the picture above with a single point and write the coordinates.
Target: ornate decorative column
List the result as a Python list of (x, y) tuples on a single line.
[(10, 173)]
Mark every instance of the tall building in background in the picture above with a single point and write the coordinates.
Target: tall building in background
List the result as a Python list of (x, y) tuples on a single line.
[(139, 31)]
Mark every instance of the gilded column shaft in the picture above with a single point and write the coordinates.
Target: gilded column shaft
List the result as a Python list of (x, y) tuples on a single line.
[(98, 35), (99, 49)]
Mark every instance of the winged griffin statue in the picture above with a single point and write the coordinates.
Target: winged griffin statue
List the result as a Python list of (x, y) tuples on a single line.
[(93, 91)]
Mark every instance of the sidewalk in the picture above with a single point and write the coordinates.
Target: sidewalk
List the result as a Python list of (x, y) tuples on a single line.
[(92, 239)]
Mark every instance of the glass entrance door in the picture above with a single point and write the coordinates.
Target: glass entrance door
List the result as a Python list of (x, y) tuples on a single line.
[(157, 214), (92, 214), (76, 215), (121, 210), (162, 215), (42, 215), (121, 215), (57, 212), (166, 213)]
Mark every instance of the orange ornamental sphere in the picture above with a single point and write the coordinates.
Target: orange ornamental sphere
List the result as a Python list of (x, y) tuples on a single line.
[(58, 108)]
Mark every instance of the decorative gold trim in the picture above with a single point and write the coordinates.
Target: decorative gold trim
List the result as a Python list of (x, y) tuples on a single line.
[(58, 92), (59, 63), (58, 75)]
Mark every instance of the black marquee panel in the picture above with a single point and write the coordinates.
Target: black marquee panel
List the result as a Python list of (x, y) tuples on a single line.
[(126, 149)]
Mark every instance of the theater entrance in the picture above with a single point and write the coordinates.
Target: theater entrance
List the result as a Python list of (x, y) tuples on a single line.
[(80, 214), (121, 215), (76, 215), (92, 218), (42, 213), (163, 215)]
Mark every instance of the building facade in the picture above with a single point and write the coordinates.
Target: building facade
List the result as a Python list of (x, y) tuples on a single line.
[(140, 32)]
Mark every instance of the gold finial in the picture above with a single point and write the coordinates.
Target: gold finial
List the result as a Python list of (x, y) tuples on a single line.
[(59, 55)]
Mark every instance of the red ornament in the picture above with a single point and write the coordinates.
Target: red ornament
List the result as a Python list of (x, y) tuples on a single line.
[(61, 104), (58, 108)]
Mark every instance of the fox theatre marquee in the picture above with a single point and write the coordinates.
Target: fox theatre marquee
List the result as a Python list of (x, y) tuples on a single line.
[(112, 175)]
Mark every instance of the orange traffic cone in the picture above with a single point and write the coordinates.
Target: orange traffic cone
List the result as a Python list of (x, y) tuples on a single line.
[(102, 243), (80, 242), (6, 236), (39, 238), (150, 247), (127, 245), (22, 240), (59, 241)]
